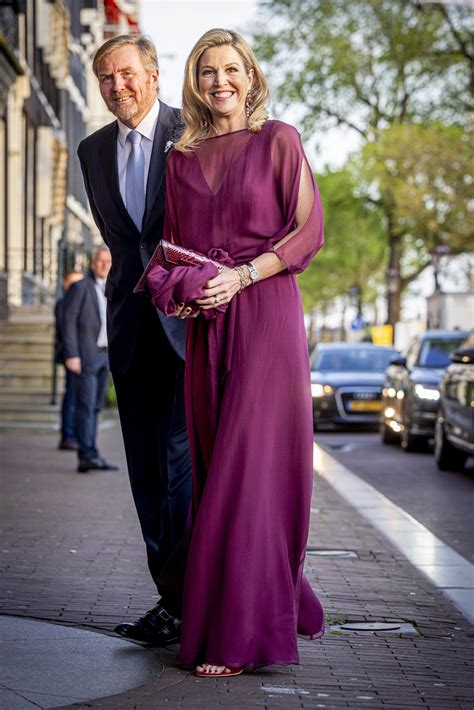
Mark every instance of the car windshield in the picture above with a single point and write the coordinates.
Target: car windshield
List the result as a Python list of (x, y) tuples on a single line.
[(353, 360), (435, 352)]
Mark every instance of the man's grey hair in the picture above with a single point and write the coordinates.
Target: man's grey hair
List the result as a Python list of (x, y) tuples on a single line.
[(97, 250)]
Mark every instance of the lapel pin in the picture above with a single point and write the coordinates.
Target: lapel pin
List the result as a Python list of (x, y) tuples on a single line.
[(168, 146)]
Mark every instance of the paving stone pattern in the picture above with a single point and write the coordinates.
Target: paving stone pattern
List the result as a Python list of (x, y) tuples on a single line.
[(71, 553)]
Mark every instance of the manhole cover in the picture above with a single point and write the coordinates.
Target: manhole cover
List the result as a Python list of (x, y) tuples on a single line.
[(330, 553), (405, 627), (370, 626)]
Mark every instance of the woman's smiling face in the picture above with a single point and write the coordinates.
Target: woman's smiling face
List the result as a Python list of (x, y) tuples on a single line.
[(224, 82)]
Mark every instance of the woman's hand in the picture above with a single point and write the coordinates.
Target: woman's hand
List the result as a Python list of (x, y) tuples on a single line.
[(184, 311), (220, 289)]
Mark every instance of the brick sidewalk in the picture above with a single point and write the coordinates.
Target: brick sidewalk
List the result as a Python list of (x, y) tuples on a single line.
[(71, 553)]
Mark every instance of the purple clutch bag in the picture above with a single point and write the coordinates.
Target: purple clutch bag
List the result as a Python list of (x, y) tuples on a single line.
[(168, 255)]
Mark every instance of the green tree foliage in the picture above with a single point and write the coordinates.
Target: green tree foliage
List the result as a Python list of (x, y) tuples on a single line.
[(354, 251), (371, 65), (422, 175)]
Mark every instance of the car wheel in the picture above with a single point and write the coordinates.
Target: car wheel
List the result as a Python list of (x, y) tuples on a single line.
[(446, 455), (387, 435)]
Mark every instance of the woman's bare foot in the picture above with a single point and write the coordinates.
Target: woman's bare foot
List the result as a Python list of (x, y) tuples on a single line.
[(209, 670)]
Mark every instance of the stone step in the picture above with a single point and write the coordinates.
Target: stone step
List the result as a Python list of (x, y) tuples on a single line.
[(26, 367), (27, 379), (29, 413), (37, 362), (32, 314), (26, 330), (25, 345), (32, 427), (11, 366), (16, 395)]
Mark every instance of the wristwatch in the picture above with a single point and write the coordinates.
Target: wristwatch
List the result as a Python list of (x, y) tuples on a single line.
[(253, 273)]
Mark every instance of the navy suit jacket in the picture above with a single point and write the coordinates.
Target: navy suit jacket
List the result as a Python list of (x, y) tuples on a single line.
[(128, 313), (80, 322)]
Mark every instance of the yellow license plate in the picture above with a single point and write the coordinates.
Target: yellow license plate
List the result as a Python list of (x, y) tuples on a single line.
[(364, 406)]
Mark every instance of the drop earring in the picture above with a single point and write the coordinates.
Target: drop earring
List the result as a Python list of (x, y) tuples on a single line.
[(248, 106)]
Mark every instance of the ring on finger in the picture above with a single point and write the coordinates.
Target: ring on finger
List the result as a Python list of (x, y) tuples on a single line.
[(216, 299)]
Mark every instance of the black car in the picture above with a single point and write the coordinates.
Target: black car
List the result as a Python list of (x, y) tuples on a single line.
[(454, 429), (346, 382), (411, 388)]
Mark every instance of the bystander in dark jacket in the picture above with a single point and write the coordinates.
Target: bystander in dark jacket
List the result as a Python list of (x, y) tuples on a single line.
[(86, 357)]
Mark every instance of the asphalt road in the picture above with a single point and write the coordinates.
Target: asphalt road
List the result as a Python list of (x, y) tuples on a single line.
[(441, 501)]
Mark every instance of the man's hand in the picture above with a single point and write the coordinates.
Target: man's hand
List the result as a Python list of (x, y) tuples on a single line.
[(73, 364), (184, 311)]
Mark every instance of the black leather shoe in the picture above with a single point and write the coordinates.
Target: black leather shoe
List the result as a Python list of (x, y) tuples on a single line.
[(68, 445), (96, 464), (156, 627), (106, 466)]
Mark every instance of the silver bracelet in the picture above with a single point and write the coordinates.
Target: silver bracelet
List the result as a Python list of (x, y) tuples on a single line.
[(253, 273)]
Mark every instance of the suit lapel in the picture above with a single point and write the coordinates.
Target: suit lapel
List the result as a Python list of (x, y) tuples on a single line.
[(108, 157), (156, 173)]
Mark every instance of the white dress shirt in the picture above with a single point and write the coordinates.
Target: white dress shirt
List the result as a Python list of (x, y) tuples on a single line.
[(100, 289), (146, 128)]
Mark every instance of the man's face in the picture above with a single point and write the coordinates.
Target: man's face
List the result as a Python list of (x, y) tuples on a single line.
[(101, 264), (127, 88)]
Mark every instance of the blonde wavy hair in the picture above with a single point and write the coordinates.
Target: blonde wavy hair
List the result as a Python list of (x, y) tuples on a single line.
[(196, 116)]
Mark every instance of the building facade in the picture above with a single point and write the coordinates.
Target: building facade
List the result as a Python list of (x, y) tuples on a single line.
[(49, 101)]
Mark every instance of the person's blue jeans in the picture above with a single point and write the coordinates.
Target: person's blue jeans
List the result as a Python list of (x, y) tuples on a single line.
[(91, 386), (68, 408)]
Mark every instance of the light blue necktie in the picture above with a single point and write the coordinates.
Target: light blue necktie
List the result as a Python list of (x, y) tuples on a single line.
[(135, 180)]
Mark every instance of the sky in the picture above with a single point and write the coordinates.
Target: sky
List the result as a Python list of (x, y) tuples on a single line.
[(176, 25)]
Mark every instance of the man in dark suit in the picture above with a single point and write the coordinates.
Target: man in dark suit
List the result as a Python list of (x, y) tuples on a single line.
[(83, 325), (123, 165)]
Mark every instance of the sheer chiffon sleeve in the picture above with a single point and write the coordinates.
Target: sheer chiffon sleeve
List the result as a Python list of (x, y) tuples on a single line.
[(300, 199)]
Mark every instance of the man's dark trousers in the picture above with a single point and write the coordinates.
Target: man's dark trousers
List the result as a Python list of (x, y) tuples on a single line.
[(146, 349), (155, 436)]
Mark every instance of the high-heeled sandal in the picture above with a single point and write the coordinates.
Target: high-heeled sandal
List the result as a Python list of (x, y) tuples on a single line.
[(226, 673)]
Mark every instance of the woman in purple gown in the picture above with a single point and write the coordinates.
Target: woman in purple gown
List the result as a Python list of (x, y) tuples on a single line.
[(239, 189)]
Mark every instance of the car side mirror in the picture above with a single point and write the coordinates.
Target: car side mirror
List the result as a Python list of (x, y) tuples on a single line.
[(463, 356), (399, 361)]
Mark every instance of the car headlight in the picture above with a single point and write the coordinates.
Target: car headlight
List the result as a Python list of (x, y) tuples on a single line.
[(318, 390), (426, 393)]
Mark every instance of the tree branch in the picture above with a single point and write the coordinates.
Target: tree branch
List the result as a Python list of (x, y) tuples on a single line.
[(464, 47), (405, 280), (340, 120)]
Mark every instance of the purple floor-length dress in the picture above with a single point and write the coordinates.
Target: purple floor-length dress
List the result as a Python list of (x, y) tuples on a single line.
[(248, 401)]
